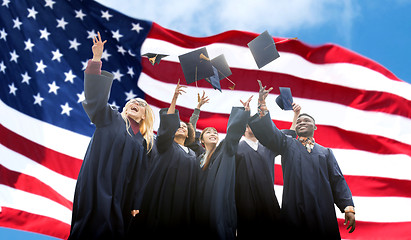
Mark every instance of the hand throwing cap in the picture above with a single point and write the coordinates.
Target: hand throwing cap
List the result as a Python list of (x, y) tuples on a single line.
[(285, 99)]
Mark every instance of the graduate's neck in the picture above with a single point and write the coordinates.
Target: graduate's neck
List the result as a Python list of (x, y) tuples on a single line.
[(180, 140), (135, 126), (250, 137), (210, 147)]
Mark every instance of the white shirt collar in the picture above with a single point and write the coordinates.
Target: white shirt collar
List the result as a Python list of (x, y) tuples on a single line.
[(252, 144), (184, 148)]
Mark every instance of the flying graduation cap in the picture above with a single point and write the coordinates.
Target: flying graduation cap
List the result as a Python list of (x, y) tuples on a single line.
[(196, 65), (154, 57), (285, 99), (221, 71), (263, 49)]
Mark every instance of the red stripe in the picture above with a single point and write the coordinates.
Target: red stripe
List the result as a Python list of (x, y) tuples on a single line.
[(368, 186), (56, 161), (246, 80), (20, 220), (323, 54), (32, 185), (328, 136), (376, 230), (364, 186)]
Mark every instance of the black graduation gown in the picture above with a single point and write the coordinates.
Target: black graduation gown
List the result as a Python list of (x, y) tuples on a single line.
[(258, 211), (112, 176), (168, 199), (313, 182), (215, 210)]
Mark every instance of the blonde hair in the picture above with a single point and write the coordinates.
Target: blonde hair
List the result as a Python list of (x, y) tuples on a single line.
[(146, 124)]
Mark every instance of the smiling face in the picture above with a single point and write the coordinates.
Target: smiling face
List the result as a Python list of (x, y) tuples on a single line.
[(136, 109), (209, 136), (305, 126), (182, 131)]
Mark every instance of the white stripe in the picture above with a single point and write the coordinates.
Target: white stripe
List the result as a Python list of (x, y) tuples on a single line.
[(24, 201), (369, 208), (325, 113), (342, 74), (361, 163), (45, 134), (14, 161)]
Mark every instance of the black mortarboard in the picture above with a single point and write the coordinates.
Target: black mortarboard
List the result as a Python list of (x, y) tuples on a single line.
[(285, 99), (196, 65), (263, 49), (154, 57), (221, 71)]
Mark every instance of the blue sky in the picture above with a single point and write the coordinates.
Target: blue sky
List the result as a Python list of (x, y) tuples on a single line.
[(379, 30)]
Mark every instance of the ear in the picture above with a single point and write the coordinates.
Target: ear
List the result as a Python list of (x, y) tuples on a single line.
[(315, 127), (143, 117)]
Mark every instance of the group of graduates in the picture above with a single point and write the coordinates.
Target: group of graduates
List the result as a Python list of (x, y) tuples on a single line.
[(135, 185)]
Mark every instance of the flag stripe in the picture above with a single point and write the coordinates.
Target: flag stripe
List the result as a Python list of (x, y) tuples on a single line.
[(53, 137), (319, 55), (56, 161), (364, 186), (367, 208), (35, 204), (21, 164), (17, 219), (375, 230), (355, 162), (32, 185)]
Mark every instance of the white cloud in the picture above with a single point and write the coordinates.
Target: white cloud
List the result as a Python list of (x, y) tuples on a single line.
[(279, 17)]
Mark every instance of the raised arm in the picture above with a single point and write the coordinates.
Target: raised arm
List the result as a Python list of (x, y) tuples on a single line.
[(263, 127), (262, 95), (178, 91), (236, 125), (196, 114), (97, 84), (296, 109)]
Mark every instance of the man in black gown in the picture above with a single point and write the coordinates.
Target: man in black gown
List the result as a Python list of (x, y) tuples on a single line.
[(313, 181)]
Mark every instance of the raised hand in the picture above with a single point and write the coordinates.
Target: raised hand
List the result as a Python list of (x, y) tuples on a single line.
[(262, 93), (179, 89), (203, 99), (98, 47), (296, 108), (246, 104)]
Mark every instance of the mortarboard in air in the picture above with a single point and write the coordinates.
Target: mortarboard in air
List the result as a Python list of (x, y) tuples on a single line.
[(154, 57), (196, 65), (263, 49), (221, 71), (285, 99)]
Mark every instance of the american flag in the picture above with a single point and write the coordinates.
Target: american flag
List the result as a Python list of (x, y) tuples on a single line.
[(362, 110)]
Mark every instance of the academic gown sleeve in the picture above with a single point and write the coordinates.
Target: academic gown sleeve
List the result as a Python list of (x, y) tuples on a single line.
[(340, 190), (97, 92), (268, 134), (169, 123)]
